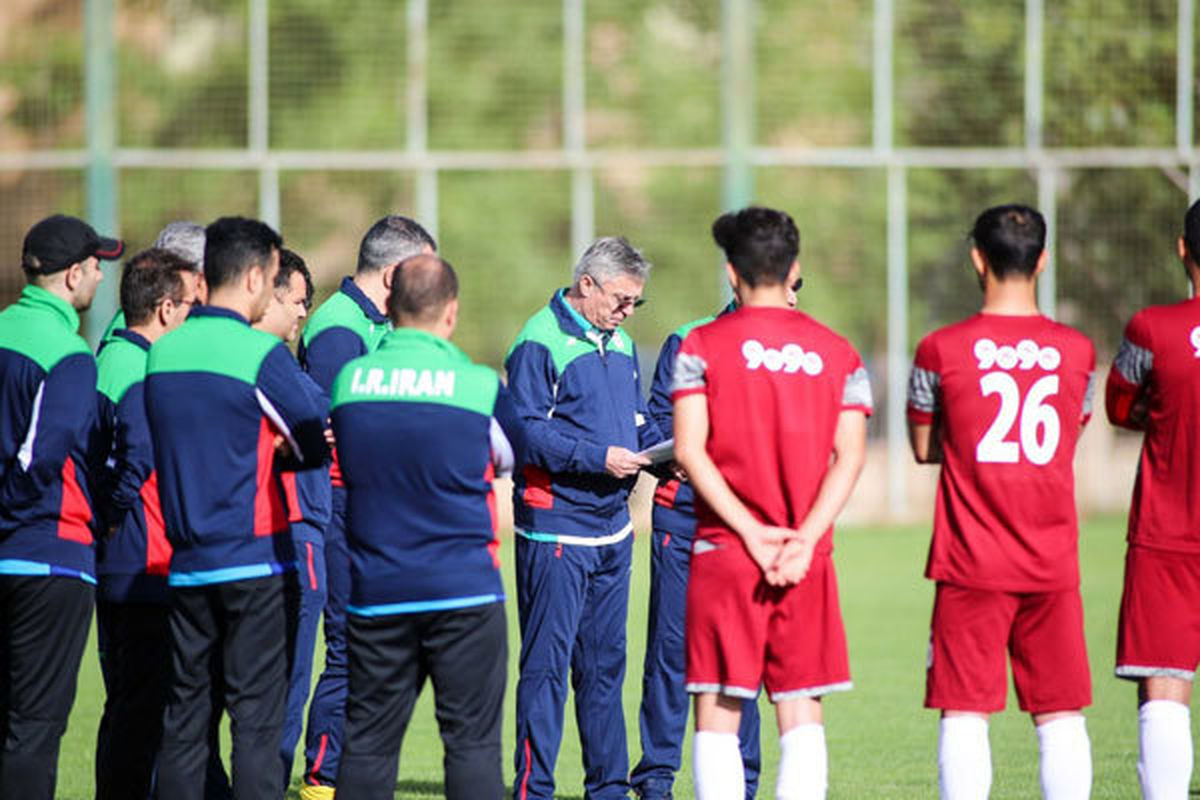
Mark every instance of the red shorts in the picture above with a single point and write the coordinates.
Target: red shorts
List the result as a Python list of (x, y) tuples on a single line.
[(1042, 632), (1159, 630), (742, 633)]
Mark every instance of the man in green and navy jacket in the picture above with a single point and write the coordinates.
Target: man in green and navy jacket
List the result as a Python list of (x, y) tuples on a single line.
[(47, 432), (427, 599), (227, 406), (133, 554), (574, 377), (347, 325)]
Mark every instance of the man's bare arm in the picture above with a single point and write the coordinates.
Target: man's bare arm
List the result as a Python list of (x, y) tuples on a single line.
[(849, 455), (926, 441)]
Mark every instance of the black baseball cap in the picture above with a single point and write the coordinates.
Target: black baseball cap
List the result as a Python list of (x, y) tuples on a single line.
[(59, 241)]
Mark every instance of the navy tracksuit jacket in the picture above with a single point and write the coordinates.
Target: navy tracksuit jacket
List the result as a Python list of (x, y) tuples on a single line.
[(47, 429)]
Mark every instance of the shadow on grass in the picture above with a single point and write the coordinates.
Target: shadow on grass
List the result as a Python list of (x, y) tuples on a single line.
[(415, 788)]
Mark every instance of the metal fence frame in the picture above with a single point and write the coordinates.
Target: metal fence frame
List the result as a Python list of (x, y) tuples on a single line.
[(737, 156)]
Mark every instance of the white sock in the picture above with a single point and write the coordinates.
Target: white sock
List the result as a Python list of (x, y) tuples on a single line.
[(803, 764), (717, 766), (964, 758), (1066, 769), (1165, 744)]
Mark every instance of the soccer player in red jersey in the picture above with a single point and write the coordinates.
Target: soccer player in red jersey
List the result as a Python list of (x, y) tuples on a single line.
[(1154, 386), (1000, 399), (770, 425)]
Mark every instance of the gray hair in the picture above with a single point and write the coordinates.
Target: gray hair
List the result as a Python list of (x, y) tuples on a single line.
[(390, 241), (184, 239), (610, 257)]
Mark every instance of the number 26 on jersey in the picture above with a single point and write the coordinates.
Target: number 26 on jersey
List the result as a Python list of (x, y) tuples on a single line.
[(1036, 420)]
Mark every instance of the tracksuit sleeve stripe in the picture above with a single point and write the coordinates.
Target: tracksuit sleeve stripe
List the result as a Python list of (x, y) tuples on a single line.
[(25, 454), (277, 419)]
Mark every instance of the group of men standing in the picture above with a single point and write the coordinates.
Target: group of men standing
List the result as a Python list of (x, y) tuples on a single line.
[(181, 480), (216, 497)]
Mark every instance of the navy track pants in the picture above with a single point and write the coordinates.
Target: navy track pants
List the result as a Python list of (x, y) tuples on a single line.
[(572, 602), (310, 556), (327, 711)]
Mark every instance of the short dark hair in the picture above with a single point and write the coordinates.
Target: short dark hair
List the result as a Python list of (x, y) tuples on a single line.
[(233, 245), (290, 262), (148, 278), (421, 287), (760, 243), (390, 241), (1011, 238), (1191, 231)]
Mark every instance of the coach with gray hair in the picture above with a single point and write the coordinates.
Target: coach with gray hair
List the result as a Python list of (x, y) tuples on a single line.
[(574, 377)]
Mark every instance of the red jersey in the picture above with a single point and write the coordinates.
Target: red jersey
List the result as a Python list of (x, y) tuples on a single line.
[(1155, 383), (775, 381), (1009, 395)]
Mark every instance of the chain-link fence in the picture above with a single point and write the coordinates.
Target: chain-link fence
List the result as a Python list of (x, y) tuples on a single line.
[(517, 132)]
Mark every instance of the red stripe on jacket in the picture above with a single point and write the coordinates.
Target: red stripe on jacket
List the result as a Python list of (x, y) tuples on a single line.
[(75, 513), (537, 492), (494, 545), (270, 511), (158, 549), (664, 495)]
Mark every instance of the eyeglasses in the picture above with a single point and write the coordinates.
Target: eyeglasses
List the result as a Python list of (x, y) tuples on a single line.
[(797, 284), (622, 300)]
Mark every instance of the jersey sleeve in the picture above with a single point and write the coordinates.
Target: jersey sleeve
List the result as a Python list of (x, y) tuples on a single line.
[(329, 351), (856, 392), (1089, 391), (532, 381), (1129, 375), (924, 383), (691, 368)]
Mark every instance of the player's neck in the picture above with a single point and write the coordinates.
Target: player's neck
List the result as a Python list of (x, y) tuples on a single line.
[(1013, 297), (763, 296)]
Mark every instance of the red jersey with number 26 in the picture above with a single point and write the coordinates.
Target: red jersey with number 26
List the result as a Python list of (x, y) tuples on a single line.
[(775, 381), (1010, 395)]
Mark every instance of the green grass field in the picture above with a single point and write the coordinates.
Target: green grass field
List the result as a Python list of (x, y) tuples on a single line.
[(881, 741)]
